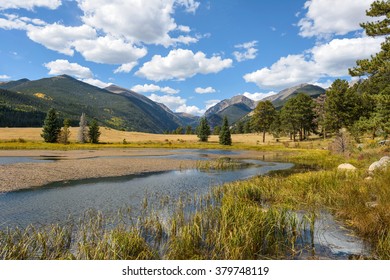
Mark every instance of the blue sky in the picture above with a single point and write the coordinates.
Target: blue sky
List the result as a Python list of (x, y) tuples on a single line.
[(187, 54)]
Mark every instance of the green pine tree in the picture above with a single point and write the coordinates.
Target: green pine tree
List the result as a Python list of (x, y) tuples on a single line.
[(51, 127), (203, 130), (94, 132), (263, 116), (225, 137)]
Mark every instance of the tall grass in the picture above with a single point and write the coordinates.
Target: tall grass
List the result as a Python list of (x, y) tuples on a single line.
[(253, 219)]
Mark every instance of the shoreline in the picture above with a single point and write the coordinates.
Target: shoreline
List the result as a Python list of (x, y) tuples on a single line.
[(88, 164)]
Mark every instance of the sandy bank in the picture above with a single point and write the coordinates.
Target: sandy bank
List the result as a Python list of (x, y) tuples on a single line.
[(75, 165)]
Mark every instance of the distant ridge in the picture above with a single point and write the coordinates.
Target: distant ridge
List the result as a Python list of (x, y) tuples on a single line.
[(119, 108), (279, 99)]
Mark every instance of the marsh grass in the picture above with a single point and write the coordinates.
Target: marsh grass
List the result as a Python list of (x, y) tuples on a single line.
[(260, 218), (222, 163)]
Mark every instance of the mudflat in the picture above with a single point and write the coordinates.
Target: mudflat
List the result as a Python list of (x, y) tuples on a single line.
[(82, 164), (86, 164)]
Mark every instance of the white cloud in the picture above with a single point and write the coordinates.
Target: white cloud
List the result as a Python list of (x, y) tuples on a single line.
[(60, 38), (328, 60), (61, 66), (190, 5), (4, 77), (325, 84), (193, 110), (327, 17), (12, 21), (211, 103), (258, 95), (96, 83), (154, 88), (176, 104), (29, 4), (183, 28), (112, 32), (180, 64), (204, 90), (249, 51), (138, 21), (126, 68), (335, 57), (109, 50), (172, 102)]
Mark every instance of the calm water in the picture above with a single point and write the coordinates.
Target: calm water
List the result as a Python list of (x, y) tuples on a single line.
[(55, 202)]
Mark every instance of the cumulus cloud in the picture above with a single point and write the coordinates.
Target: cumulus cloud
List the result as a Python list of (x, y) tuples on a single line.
[(112, 32), (154, 88), (29, 4), (204, 90), (148, 22), (180, 64), (109, 50), (96, 82), (258, 95), (327, 60), (248, 51), (60, 38), (61, 66), (323, 21), (190, 5), (4, 77), (211, 103), (176, 104), (126, 68), (11, 21)]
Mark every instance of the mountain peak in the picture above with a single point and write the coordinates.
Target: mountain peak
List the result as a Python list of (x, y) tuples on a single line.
[(238, 99), (280, 98)]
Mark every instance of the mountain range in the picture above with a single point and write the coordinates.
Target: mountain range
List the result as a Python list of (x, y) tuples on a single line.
[(25, 103), (238, 107), (113, 107)]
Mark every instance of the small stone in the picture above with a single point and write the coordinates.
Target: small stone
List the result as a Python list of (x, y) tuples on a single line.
[(372, 204), (346, 167), (368, 178), (380, 164)]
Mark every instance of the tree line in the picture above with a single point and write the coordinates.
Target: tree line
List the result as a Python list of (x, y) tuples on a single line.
[(54, 132)]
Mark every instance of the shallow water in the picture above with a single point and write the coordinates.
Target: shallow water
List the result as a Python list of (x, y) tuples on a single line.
[(13, 160), (55, 202)]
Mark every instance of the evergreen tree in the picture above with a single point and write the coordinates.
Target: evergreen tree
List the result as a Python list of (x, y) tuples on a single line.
[(225, 137), (247, 127), (82, 136), (94, 132), (203, 130), (263, 116), (189, 129), (343, 106), (297, 116), (379, 64), (65, 132), (51, 127), (240, 127), (179, 130)]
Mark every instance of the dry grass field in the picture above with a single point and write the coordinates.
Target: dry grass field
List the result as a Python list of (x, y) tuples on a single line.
[(115, 136)]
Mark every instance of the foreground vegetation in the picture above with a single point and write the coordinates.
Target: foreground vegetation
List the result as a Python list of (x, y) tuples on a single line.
[(265, 217)]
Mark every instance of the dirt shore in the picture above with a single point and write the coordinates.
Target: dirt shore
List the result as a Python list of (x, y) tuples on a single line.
[(75, 165), (84, 164)]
